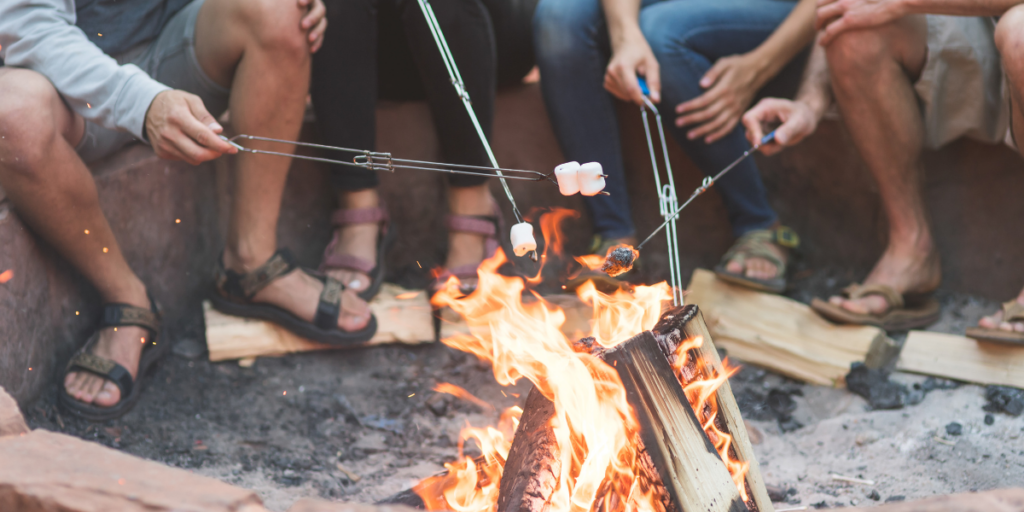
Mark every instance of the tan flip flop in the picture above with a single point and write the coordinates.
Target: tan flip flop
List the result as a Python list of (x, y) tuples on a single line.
[(905, 311), (757, 244), (1013, 311)]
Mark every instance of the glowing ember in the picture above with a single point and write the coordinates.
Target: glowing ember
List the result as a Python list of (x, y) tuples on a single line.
[(458, 392), (6, 275)]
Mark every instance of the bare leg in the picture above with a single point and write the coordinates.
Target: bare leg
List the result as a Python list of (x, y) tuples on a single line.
[(1010, 41), (358, 240), (54, 193), (872, 75), (258, 48), (468, 248)]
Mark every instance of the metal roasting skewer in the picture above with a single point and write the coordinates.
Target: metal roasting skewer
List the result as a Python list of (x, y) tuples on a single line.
[(708, 182), (667, 199)]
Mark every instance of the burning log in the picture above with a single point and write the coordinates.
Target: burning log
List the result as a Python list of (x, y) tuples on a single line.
[(690, 467), (683, 463)]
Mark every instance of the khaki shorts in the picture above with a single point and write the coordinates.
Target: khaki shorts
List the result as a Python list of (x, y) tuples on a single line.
[(171, 60), (962, 89)]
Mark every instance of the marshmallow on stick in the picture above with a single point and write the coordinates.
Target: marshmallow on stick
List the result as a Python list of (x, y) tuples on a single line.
[(591, 178), (522, 239), (568, 182)]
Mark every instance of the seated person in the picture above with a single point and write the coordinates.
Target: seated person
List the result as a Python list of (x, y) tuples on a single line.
[(905, 77), (704, 60), (385, 48), (81, 82)]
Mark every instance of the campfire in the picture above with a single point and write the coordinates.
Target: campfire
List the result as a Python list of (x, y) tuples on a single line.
[(637, 416)]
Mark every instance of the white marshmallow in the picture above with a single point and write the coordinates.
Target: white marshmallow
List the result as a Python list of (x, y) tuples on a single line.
[(568, 183), (522, 239), (591, 178)]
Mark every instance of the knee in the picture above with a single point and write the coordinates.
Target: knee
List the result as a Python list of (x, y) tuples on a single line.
[(1010, 42), (560, 28), (663, 34), (28, 124), (853, 54), (275, 25)]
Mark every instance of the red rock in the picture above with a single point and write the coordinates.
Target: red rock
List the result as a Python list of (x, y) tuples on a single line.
[(11, 421), (47, 472)]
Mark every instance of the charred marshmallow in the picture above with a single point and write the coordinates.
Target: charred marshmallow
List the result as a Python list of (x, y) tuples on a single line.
[(522, 239), (591, 179), (568, 183)]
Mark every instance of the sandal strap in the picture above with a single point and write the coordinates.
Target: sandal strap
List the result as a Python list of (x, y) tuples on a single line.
[(118, 314), (329, 307), (247, 285), (1013, 311), (347, 262), (754, 244), (891, 296), (345, 216), (103, 367), (476, 224)]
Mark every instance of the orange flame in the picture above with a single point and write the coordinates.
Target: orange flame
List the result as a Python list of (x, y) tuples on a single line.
[(701, 394), (554, 241), (593, 425)]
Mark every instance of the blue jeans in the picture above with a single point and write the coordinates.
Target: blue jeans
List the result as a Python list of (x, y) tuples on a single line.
[(687, 37)]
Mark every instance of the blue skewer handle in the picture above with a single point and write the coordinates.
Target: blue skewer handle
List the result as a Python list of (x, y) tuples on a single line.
[(768, 138), (643, 86)]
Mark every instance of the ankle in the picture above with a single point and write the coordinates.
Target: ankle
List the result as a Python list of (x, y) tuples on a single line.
[(132, 291), (245, 258), (471, 200), (358, 199)]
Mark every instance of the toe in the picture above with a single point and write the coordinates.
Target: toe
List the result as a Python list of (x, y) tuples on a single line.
[(1018, 326), (355, 312), (108, 395), (351, 279), (734, 266), (759, 268), (991, 322)]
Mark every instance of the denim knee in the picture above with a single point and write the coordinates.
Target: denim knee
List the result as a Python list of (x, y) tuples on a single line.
[(564, 28)]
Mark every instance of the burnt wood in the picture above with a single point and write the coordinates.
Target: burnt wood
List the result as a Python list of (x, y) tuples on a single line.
[(534, 461), (690, 467)]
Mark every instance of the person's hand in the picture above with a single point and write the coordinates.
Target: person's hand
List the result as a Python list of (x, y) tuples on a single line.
[(837, 16), (797, 118), (730, 86), (631, 58), (180, 128), (314, 23)]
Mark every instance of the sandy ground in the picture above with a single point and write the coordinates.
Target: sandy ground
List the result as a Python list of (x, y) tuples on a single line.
[(356, 426)]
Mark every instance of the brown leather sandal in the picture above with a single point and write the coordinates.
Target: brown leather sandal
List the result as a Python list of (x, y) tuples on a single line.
[(375, 270), (116, 315), (234, 292), (905, 311), (1013, 311)]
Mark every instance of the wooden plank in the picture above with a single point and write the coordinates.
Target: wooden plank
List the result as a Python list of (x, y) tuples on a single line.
[(11, 421), (688, 463), (578, 316), (690, 324), (400, 320), (779, 333), (961, 358)]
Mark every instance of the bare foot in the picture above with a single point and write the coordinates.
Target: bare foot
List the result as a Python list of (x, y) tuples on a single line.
[(996, 321), (122, 345), (905, 273), (757, 268), (299, 293), (359, 240)]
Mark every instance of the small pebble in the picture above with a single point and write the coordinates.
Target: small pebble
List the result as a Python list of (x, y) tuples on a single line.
[(873, 495), (954, 429), (989, 419)]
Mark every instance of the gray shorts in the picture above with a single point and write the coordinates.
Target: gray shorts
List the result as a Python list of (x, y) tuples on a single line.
[(171, 60), (962, 89)]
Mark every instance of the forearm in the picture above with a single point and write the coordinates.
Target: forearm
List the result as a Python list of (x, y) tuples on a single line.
[(792, 36), (816, 88), (958, 7), (623, 18)]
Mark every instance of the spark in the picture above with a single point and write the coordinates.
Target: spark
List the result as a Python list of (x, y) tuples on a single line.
[(101, 35), (503, 393), (6, 275), (177, 221), (143, 340), (88, 105), (105, 249), (418, 264), (407, 295), (412, 395), (29, 368), (87, 231), (76, 313), (283, 393), (120, 481)]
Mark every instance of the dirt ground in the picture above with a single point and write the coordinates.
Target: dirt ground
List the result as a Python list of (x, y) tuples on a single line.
[(362, 425)]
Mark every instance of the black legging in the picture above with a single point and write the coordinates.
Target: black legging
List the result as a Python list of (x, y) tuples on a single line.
[(384, 47)]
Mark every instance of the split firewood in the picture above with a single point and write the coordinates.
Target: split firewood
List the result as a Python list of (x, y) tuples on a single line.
[(403, 316), (961, 358)]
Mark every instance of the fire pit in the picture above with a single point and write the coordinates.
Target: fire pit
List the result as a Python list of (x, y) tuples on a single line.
[(639, 416)]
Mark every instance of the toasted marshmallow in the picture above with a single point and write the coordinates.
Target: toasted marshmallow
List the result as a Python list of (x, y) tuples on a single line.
[(522, 239), (591, 178), (568, 183)]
